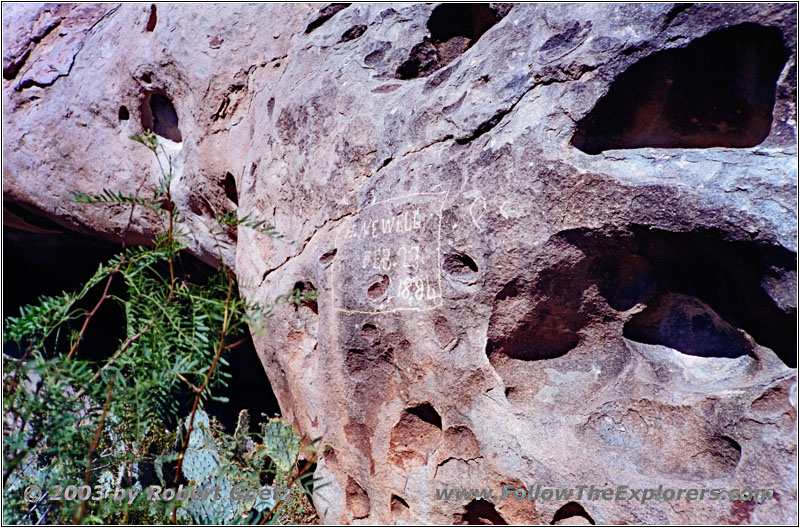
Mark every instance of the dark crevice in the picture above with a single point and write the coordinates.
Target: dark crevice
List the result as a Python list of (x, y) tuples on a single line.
[(688, 325), (399, 506), (719, 91), (303, 288), (699, 291), (479, 511), (427, 413), (229, 186), (459, 264), (11, 70), (568, 512), (159, 116), (484, 127), (43, 258), (153, 19), (673, 13), (123, 113), (453, 29), (247, 388), (353, 33), (326, 258), (370, 334), (324, 15)]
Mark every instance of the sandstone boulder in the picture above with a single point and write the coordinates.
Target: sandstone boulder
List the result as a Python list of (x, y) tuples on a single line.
[(554, 244)]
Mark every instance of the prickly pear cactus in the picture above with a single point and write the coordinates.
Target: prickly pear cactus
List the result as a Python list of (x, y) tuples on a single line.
[(210, 463), (281, 444)]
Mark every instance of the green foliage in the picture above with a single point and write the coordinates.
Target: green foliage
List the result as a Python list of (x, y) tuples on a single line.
[(231, 218), (298, 296), (71, 418)]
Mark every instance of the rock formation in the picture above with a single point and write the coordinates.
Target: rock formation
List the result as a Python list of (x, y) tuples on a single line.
[(554, 244)]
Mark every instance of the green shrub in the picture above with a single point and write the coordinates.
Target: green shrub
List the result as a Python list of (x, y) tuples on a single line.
[(71, 419)]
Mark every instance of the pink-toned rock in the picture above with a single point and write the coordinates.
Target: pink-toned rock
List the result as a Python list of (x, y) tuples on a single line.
[(554, 245)]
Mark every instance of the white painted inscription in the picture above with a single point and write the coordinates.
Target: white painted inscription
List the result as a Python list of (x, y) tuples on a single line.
[(389, 256)]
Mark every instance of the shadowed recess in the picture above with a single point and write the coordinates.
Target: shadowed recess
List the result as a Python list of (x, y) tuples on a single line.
[(323, 15), (41, 257), (427, 413), (453, 29), (44, 258), (719, 91), (378, 289), (153, 19), (399, 506), (479, 511), (699, 291), (459, 264), (229, 186), (688, 325), (159, 116), (698, 287), (568, 513)]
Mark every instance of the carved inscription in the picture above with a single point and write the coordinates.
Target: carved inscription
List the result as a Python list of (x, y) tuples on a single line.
[(388, 257)]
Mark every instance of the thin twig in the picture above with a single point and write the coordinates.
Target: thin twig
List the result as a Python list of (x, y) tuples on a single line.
[(128, 342), (189, 383), (93, 450), (96, 307), (111, 275), (220, 348)]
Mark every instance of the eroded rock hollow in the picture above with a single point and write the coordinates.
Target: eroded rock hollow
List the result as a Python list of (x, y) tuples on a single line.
[(553, 244)]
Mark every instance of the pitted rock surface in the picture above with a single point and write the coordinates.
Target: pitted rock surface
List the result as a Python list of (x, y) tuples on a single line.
[(553, 244)]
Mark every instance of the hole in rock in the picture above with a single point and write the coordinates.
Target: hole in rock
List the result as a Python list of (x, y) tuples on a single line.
[(353, 33), (719, 91), (720, 456), (453, 28), (356, 499), (572, 513), (378, 289), (324, 15), (399, 506), (459, 264), (544, 328), (327, 257), (229, 185), (416, 434), (370, 334), (688, 325), (427, 413), (159, 116), (479, 511), (699, 288), (123, 113), (511, 289), (303, 288), (146, 78), (153, 19)]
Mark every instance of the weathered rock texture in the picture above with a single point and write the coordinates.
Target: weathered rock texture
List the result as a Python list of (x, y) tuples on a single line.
[(553, 244)]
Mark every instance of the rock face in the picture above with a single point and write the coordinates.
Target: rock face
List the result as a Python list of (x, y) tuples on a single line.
[(554, 244)]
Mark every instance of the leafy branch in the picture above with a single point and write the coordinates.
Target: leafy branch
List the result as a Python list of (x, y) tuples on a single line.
[(57, 400)]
